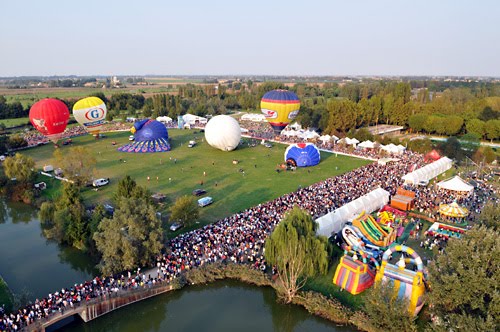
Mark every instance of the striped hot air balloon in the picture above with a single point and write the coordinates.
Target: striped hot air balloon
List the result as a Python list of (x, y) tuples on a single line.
[(91, 113), (280, 107)]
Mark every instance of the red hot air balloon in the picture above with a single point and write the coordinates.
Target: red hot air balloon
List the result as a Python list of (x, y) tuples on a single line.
[(50, 117)]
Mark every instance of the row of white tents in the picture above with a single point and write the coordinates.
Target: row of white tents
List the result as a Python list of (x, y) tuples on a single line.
[(334, 221), (428, 172)]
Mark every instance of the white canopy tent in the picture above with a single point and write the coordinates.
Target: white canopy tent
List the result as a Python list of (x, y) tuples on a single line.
[(164, 119), (253, 117), (428, 172), (310, 134), (367, 144), (191, 119), (456, 184), (325, 138), (334, 221), (289, 133)]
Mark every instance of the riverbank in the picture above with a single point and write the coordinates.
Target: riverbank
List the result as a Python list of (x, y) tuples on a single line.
[(6, 297), (315, 303)]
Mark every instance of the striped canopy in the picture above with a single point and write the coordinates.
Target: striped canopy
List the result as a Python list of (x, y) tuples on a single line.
[(453, 210)]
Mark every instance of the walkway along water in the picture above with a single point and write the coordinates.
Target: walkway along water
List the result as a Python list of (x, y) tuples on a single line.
[(97, 307)]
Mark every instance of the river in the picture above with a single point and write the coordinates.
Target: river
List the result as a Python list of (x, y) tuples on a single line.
[(31, 264)]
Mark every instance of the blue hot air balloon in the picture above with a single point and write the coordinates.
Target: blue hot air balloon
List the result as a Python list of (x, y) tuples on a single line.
[(149, 136), (302, 155)]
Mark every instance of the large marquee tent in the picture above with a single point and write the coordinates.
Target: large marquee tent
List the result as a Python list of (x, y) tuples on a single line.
[(456, 184), (334, 221), (428, 172)]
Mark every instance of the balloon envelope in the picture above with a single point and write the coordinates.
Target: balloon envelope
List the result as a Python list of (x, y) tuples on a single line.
[(303, 154), (91, 113), (223, 132), (280, 107), (50, 117)]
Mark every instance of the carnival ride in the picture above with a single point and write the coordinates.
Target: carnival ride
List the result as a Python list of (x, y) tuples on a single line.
[(407, 283)]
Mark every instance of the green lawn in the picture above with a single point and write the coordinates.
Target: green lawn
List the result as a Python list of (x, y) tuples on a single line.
[(231, 189), (14, 122)]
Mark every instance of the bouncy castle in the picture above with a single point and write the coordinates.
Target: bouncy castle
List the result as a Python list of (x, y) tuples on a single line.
[(354, 275), (407, 283), (379, 235)]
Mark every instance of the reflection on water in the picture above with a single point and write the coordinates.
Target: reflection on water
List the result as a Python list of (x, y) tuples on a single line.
[(220, 306), (31, 263)]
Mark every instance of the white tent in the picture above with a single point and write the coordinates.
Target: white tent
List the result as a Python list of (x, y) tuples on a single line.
[(289, 133), (192, 120), (310, 134), (325, 138), (253, 117), (400, 148), (456, 184), (367, 145), (429, 171), (164, 119), (334, 221), (335, 138), (350, 141), (295, 126)]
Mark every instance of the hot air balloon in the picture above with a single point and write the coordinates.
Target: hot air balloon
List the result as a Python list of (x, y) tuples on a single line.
[(302, 155), (149, 136), (50, 117), (223, 132), (91, 113), (280, 107)]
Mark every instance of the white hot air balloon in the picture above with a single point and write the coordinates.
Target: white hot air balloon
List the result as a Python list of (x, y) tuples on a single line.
[(223, 132)]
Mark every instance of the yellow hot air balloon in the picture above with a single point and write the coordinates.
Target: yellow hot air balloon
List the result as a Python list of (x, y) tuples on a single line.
[(280, 107), (91, 113)]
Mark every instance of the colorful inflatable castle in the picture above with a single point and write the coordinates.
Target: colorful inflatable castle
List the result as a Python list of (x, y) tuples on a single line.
[(379, 235), (407, 283), (149, 136), (354, 275)]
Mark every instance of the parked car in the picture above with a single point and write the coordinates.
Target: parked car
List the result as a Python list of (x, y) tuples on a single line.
[(191, 144), (131, 138), (176, 226), (109, 208), (199, 192), (100, 182), (205, 201)]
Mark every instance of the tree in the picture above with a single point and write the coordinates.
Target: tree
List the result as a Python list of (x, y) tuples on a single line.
[(77, 164), (492, 129), (417, 121), (342, 115), (296, 251), (490, 216), (386, 310), (132, 238), (20, 167), (185, 210), (128, 188), (451, 148), (475, 126), (465, 279)]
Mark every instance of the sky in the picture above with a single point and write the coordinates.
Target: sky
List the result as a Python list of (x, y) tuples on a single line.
[(249, 37)]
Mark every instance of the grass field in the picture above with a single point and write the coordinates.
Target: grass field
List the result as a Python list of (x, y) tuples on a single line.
[(9, 123), (233, 187)]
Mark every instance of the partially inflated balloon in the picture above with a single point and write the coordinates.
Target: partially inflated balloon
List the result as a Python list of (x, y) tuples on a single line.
[(91, 113), (50, 117), (280, 107)]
